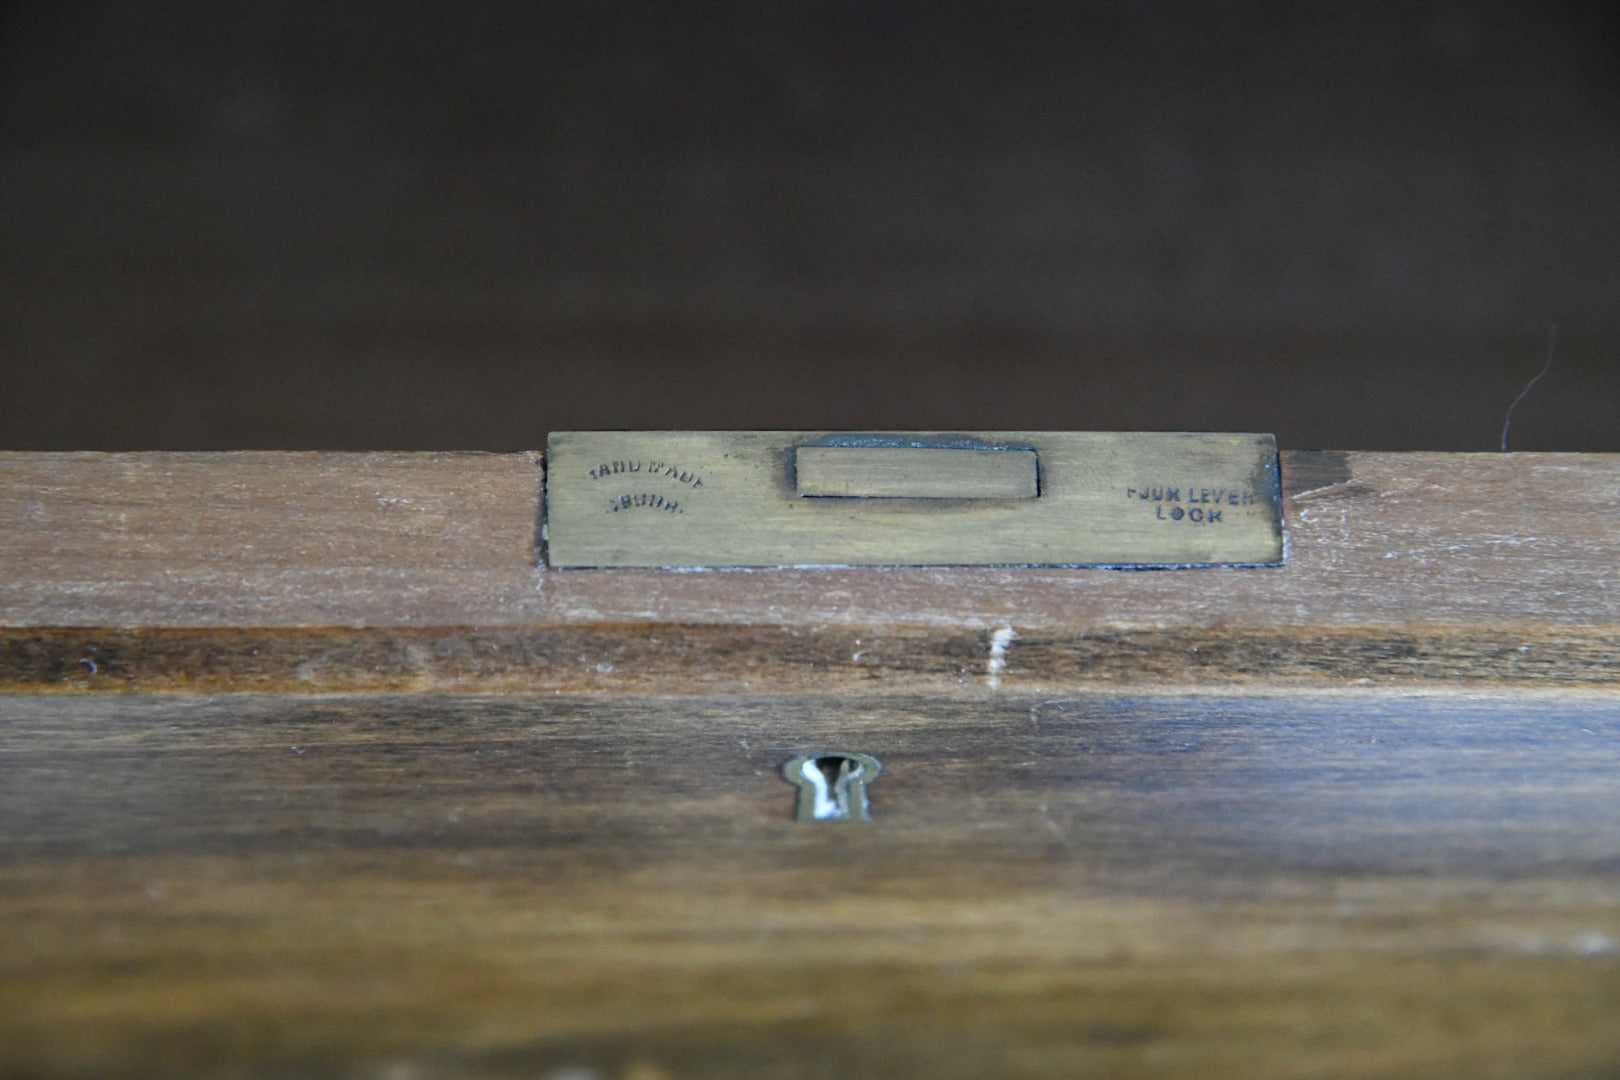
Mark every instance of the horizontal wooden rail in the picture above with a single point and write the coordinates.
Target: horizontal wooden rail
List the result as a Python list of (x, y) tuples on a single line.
[(328, 571)]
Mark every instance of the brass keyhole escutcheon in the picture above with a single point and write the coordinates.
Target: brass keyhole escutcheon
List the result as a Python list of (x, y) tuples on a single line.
[(832, 784)]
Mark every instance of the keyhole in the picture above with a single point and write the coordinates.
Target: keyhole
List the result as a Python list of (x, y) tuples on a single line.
[(832, 785)]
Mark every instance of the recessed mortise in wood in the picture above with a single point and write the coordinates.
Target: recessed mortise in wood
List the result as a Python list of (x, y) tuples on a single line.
[(832, 784)]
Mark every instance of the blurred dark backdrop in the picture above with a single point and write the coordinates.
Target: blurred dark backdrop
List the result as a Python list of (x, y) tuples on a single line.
[(424, 225)]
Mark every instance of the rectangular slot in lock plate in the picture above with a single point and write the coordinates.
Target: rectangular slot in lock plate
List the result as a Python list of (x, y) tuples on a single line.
[(911, 472), (684, 499)]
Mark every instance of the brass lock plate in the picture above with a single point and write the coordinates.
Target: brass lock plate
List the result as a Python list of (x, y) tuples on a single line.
[(710, 499)]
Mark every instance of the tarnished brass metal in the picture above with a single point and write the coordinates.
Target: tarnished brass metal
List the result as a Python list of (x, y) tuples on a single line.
[(683, 499)]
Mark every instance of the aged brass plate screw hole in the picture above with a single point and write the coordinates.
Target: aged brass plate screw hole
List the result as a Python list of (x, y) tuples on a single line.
[(832, 784)]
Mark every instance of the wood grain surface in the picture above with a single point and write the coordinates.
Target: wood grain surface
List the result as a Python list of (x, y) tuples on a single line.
[(1356, 815), (1317, 884), (414, 571)]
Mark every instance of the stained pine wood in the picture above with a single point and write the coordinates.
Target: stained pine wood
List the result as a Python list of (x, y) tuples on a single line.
[(1313, 884), (409, 571)]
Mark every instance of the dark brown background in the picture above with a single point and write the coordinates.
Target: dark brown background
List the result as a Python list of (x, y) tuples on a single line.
[(446, 225)]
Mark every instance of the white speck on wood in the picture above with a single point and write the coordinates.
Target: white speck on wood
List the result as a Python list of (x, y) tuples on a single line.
[(999, 640)]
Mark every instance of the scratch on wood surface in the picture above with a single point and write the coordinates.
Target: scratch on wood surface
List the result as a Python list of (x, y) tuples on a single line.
[(1485, 542), (1323, 490)]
